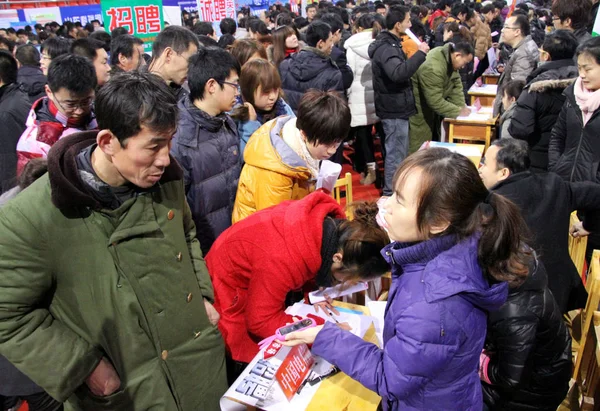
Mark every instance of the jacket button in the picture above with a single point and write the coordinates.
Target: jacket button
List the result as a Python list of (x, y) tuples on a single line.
[(164, 355), (189, 298), (170, 214), (114, 244), (179, 256), (197, 334)]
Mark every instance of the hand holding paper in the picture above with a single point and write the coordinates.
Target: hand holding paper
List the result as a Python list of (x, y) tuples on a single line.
[(328, 175)]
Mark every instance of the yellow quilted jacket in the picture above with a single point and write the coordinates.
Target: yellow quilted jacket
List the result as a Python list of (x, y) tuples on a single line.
[(273, 172)]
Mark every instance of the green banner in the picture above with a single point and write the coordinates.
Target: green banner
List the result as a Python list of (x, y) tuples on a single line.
[(142, 18)]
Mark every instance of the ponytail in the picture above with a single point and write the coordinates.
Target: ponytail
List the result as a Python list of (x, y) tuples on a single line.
[(361, 241), (502, 247)]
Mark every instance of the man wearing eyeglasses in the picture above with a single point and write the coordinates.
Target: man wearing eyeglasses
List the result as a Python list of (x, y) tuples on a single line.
[(206, 143), (66, 109), (525, 56)]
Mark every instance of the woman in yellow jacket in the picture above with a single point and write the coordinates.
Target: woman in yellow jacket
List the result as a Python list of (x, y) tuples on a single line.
[(282, 157)]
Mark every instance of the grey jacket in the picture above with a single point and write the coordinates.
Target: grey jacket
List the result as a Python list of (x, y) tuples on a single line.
[(519, 66)]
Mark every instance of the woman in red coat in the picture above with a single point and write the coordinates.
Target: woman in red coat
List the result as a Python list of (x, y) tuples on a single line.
[(295, 246)]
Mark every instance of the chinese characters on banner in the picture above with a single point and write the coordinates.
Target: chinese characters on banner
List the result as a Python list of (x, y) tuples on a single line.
[(216, 10), (142, 18)]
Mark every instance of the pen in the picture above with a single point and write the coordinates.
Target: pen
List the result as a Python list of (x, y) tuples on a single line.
[(304, 382), (331, 314), (320, 378)]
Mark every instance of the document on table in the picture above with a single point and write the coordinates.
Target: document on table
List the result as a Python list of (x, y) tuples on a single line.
[(377, 309), (339, 290), (487, 89), (359, 323)]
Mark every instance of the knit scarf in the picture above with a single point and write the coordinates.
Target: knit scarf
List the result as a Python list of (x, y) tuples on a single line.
[(587, 100), (289, 52), (68, 122)]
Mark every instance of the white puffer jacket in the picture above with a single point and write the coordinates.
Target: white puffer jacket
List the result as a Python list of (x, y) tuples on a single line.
[(361, 96)]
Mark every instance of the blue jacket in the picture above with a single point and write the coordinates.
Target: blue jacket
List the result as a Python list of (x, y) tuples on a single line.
[(248, 127), (435, 326), (208, 150)]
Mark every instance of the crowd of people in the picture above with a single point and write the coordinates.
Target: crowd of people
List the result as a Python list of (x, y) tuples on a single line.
[(159, 211)]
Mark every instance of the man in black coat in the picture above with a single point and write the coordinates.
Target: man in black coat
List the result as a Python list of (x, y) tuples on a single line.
[(542, 99), (546, 202), (311, 67), (338, 55), (31, 78), (14, 108), (394, 99)]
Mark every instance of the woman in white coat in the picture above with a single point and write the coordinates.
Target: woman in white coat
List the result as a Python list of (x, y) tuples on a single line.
[(361, 96)]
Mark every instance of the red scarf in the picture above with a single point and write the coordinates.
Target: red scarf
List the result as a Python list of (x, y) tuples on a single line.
[(71, 122), (289, 52)]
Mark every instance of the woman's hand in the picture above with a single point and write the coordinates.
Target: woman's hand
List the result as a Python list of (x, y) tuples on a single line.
[(307, 336), (326, 306), (578, 231), (251, 112), (213, 315)]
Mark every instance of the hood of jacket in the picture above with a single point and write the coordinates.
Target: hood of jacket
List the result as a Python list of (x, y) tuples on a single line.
[(32, 80), (188, 111), (450, 267), (267, 150), (359, 43), (551, 76), (385, 37), (68, 190), (308, 63)]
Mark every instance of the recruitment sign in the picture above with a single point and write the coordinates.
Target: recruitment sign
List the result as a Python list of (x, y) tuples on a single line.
[(142, 18)]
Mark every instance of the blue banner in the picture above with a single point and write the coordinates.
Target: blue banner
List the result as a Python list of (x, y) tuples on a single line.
[(82, 14)]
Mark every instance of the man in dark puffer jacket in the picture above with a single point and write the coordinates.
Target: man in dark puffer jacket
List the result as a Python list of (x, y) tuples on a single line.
[(31, 77), (206, 143), (542, 99), (311, 67), (529, 363)]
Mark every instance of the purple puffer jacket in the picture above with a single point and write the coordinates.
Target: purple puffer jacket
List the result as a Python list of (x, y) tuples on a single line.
[(435, 325)]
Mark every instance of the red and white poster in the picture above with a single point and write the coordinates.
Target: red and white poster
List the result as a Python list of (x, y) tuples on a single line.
[(216, 10)]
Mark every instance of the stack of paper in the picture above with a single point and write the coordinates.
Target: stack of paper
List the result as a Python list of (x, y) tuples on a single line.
[(357, 321)]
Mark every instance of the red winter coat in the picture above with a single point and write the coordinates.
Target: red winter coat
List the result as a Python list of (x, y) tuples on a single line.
[(256, 262)]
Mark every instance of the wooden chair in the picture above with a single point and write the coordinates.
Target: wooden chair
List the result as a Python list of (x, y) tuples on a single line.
[(577, 247), (586, 374), (345, 181)]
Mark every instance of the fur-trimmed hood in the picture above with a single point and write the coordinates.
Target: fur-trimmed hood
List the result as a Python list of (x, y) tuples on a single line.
[(547, 85)]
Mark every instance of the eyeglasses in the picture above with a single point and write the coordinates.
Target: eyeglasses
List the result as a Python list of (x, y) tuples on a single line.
[(234, 85), (72, 106)]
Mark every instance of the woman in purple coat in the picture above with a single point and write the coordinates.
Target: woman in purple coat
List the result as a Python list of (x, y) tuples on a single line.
[(456, 248)]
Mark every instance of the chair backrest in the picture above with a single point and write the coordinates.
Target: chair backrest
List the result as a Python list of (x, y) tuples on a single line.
[(346, 182), (577, 247), (587, 314)]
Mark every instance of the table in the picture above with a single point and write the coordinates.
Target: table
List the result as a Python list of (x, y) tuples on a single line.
[(341, 392), (491, 78), (479, 127), (486, 94)]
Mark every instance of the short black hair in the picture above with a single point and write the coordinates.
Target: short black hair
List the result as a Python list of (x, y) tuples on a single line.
[(311, 6), (228, 26), (203, 28), (132, 100), (8, 68), (317, 31), (560, 45), (591, 47), (225, 41), (462, 47), (513, 88), (118, 31), (487, 8), (379, 5), (522, 23), (576, 10), (178, 38), (56, 46), (124, 45), (324, 117), (28, 55), (334, 20), (9, 44), (86, 48), (209, 63), (207, 41), (396, 14), (459, 8), (512, 154), (74, 73), (10, 30), (22, 32), (102, 36)]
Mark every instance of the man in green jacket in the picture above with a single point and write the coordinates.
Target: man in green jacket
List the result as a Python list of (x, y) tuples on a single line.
[(438, 92), (106, 300)]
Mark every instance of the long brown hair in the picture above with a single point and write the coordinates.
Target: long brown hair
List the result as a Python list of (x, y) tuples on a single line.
[(279, 37), (452, 192), (361, 241), (244, 49), (255, 73)]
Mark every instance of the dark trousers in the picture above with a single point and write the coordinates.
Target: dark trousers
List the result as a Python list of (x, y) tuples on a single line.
[(36, 402), (364, 150)]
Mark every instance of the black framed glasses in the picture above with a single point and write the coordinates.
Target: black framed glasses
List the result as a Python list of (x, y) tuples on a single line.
[(235, 85), (84, 104)]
